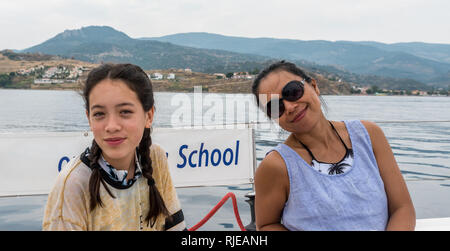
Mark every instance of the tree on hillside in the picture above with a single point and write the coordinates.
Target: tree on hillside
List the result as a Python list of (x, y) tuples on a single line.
[(254, 71), (5, 79), (373, 89)]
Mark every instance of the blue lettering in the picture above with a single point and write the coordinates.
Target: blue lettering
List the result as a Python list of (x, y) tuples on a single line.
[(215, 157), (190, 159), (228, 150), (65, 158), (182, 156), (237, 153), (214, 163), (201, 153)]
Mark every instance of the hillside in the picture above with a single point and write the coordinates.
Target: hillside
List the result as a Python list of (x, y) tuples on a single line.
[(14, 62), (362, 80), (427, 63), (436, 52), (185, 82), (20, 70), (98, 44), (42, 71)]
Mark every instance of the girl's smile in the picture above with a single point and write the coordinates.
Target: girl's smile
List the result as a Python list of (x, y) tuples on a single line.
[(117, 120), (114, 141)]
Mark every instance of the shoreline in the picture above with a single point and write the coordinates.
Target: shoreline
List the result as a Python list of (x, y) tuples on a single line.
[(219, 92)]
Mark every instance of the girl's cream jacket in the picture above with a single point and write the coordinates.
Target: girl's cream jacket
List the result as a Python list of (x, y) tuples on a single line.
[(68, 202)]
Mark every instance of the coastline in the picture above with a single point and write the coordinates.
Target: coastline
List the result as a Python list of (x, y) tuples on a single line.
[(206, 90)]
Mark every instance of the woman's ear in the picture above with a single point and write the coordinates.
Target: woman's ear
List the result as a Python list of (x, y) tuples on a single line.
[(150, 114), (315, 87)]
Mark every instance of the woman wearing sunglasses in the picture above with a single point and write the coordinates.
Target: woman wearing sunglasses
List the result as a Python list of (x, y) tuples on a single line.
[(327, 175)]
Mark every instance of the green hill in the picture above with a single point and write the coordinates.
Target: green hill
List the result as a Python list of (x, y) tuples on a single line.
[(422, 62), (359, 64), (104, 44)]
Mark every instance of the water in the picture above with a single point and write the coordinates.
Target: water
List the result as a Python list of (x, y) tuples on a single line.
[(422, 149)]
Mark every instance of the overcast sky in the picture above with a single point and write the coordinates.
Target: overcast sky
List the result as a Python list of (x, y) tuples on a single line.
[(24, 23)]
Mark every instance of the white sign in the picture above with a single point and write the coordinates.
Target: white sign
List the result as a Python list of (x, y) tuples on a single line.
[(197, 157), (200, 157)]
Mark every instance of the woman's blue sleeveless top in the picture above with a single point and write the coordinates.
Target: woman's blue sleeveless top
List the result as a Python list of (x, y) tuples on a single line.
[(354, 200)]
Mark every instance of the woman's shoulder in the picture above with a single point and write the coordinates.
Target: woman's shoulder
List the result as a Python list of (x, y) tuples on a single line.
[(273, 158), (376, 134), (272, 165), (272, 174), (370, 126), (363, 127), (373, 130), (369, 133)]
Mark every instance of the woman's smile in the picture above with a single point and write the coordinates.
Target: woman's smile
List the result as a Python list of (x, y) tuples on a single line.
[(300, 115)]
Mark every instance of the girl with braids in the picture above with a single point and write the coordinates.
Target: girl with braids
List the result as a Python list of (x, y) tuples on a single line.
[(327, 175), (122, 182)]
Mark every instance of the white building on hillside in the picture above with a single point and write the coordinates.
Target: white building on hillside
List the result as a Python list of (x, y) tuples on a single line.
[(171, 76), (157, 76)]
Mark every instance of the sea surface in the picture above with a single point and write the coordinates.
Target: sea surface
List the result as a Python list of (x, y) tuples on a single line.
[(417, 128)]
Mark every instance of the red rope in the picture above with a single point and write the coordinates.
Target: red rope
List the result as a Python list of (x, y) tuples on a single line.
[(214, 210)]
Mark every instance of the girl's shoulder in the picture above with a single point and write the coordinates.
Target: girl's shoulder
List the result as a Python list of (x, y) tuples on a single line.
[(159, 162), (159, 157), (68, 197), (157, 152), (75, 175)]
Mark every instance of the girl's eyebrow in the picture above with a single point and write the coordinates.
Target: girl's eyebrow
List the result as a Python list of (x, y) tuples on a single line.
[(97, 106), (118, 105), (124, 104)]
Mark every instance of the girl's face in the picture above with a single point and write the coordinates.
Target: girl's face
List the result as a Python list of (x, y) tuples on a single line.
[(300, 115), (117, 119)]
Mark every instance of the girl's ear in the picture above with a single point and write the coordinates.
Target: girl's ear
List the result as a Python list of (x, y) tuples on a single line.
[(87, 115), (315, 87), (149, 115)]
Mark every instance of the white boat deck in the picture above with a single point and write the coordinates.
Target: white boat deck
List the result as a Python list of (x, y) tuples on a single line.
[(433, 224)]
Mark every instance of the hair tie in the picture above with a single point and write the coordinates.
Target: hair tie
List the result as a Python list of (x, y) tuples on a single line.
[(96, 166), (150, 181)]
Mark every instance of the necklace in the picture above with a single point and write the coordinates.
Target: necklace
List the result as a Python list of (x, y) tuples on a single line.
[(333, 168)]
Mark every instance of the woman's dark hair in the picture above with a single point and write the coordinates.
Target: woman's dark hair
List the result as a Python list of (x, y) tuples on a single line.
[(278, 66), (137, 80), (282, 66)]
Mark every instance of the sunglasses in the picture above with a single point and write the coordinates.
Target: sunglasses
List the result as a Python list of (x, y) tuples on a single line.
[(291, 92)]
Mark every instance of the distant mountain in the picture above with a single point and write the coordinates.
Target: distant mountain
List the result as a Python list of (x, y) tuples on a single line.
[(423, 62), (436, 52), (358, 64), (105, 44)]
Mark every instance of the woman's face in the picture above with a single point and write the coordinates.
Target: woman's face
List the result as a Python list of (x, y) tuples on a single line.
[(117, 119), (299, 116)]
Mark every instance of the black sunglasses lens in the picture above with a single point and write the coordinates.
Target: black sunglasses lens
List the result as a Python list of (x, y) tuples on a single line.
[(293, 91), (275, 108)]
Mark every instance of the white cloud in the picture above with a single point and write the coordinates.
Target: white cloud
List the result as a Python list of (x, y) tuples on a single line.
[(24, 23)]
